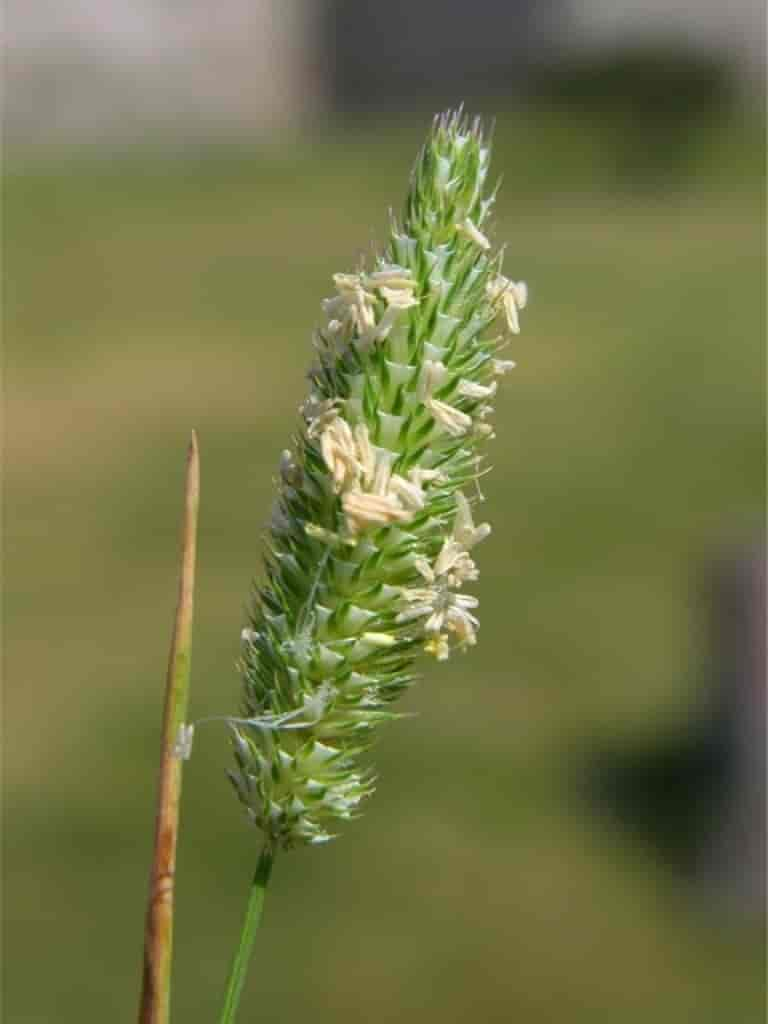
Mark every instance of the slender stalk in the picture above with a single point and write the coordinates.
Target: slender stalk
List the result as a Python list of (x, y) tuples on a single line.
[(158, 936), (247, 936)]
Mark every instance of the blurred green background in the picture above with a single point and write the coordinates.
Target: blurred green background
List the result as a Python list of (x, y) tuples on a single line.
[(157, 291)]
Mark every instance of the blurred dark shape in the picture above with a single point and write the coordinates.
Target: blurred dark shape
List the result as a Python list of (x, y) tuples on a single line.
[(659, 81), (733, 857), (698, 796), (651, 100), (435, 53)]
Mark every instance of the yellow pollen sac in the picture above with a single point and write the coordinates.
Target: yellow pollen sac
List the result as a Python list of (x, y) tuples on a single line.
[(437, 646), (366, 510), (453, 420), (338, 448), (473, 233)]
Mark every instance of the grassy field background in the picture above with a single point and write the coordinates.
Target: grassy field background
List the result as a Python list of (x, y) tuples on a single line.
[(147, 294)]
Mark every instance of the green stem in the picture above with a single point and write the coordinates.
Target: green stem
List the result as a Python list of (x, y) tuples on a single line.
[(154, 1006), (247, 936)]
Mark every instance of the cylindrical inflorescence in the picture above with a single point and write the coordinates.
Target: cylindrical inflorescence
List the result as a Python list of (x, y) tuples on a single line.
[(372, 531)]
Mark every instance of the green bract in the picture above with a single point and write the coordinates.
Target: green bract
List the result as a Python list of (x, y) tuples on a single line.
[(371, 532)]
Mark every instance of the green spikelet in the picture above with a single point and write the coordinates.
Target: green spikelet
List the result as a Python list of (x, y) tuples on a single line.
[(371, 531)]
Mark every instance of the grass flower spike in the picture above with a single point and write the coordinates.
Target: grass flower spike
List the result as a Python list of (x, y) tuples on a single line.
[(372, 536)]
